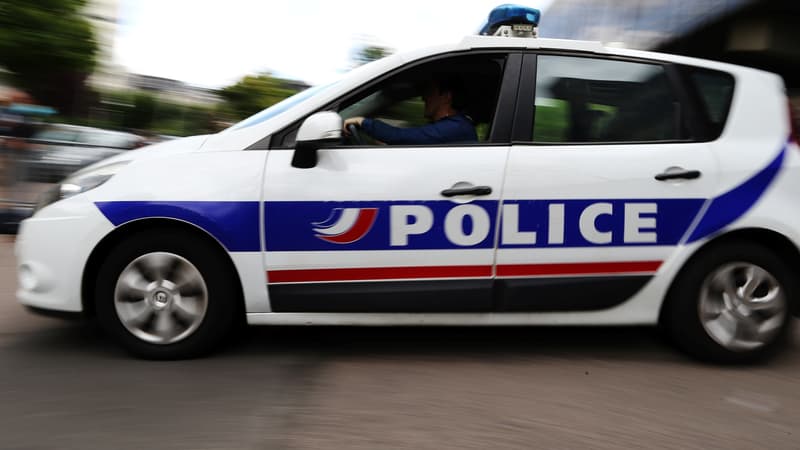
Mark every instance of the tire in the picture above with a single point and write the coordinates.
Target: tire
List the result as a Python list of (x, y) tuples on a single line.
[(731, 304), (166, 295)]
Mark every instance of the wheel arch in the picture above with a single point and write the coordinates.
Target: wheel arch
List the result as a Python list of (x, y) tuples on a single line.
[(770, 239), (102, 249)]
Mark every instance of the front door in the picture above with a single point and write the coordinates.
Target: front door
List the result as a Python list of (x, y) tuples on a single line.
[(376, 229), (395, 228)]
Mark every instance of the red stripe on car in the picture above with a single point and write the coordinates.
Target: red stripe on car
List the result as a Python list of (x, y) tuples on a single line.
[(564, 269)]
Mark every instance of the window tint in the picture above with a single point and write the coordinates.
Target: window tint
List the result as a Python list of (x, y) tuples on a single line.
[(398, 100), (597, 100), (716, 91), (405, 112)]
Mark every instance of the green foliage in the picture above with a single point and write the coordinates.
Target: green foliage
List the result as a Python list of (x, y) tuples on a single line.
[(144, 113), (371, 53), (141, 115), (253, 93), (183, 120), (552, 120), (49, 48), (408, 113)]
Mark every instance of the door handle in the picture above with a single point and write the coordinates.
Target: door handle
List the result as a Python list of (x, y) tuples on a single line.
[(676, 173), (467, 190)]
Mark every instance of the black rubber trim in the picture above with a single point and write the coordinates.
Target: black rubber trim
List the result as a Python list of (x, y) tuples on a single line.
[(589, 54), (566, 293), (384, 296), (64, 315), (526, 100), (507, 100), (503, 295), (264, 144)]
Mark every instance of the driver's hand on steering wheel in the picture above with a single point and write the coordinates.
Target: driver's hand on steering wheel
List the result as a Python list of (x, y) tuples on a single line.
[(351, 121)]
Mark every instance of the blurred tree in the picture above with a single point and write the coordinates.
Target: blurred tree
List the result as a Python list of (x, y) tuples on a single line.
[(141, 115), (144, 113), (253, 93), (371, 53), (49, 48)]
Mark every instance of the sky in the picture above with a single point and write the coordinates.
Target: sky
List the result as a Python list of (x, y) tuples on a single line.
[(213, 43)]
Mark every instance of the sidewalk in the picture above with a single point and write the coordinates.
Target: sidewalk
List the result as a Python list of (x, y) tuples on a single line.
[(22, 192)]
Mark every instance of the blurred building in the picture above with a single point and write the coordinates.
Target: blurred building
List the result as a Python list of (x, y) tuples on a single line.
[(756, 33), (173, 90), (104, 17)]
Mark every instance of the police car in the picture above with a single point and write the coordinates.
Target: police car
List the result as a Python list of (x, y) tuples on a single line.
[(607, 187)]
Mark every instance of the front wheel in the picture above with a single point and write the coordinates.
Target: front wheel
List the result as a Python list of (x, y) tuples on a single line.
[(731, 304), (166, 296)]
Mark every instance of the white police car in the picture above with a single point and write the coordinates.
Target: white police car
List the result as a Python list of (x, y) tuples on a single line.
[(608, 186)]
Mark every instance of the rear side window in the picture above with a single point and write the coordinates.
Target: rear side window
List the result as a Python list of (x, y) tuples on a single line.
[(715, 91), (594, 100)]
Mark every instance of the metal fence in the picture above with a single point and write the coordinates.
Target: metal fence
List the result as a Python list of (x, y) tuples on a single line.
[(21, 182)]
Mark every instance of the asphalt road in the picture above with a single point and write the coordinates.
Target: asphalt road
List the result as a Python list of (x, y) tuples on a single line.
[(64, 386)]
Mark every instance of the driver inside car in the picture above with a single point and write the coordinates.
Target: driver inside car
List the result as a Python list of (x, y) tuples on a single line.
[(443, 99)]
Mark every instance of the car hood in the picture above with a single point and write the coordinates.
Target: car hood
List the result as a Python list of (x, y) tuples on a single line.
[(173, 147)]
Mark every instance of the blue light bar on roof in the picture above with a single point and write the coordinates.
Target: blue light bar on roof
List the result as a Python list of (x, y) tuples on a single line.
[(510, 15)]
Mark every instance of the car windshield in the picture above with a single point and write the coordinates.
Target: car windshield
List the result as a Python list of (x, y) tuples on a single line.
[(280, 107)]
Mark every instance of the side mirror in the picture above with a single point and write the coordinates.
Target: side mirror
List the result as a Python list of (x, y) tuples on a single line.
[(318, 130)]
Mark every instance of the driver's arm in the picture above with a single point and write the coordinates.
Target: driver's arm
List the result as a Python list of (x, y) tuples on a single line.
[(357, 121), (435, 133)]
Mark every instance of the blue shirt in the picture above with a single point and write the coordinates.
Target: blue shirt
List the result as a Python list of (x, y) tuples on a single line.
[(453, 129)]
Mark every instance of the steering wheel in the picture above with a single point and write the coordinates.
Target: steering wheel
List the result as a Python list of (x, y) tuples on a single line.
[(355, 135)]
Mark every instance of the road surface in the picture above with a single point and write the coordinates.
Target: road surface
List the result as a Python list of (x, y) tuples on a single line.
[(64, 386)]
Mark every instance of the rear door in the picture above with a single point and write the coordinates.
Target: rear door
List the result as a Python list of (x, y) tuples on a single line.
[(604, 180)]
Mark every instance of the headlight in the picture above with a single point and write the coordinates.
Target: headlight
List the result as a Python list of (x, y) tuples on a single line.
[(79, 182)]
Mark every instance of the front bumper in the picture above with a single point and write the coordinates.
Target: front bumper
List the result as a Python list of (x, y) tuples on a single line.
[(52, 249)]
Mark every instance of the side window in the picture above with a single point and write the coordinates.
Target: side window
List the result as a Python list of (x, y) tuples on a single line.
[(715, 90), (593, 100), (398, 100), (396, 104)]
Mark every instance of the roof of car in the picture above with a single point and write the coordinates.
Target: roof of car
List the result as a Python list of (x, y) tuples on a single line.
[(477, 41), (505, 42)]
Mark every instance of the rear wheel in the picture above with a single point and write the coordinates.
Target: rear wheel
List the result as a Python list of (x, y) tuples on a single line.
[(731, 304), (166, 295)]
